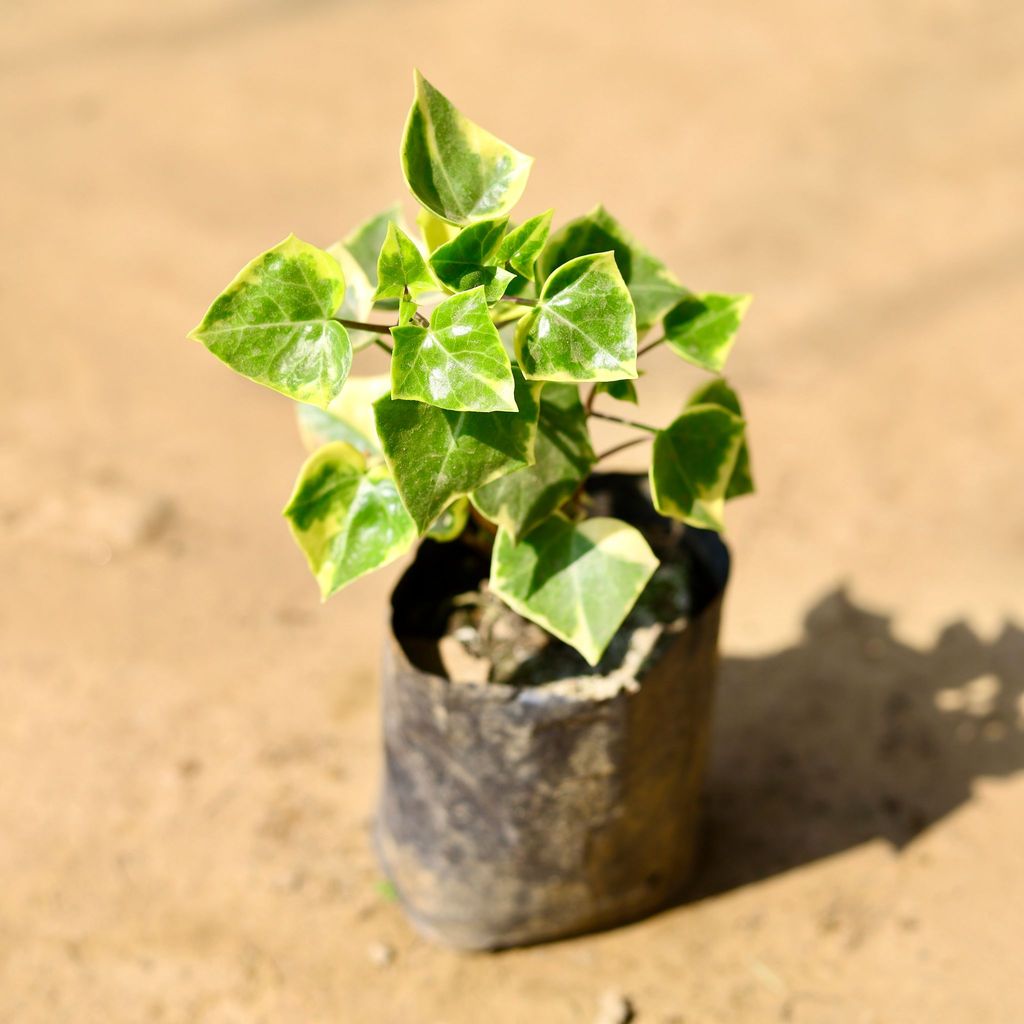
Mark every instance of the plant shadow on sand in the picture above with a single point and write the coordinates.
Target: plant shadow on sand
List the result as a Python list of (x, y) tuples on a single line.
[(849, 736)]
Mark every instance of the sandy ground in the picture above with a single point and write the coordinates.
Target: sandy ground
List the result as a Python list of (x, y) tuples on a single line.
[(188, 740)]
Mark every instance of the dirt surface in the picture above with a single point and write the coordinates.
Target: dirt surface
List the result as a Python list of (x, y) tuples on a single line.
[(188, 740)]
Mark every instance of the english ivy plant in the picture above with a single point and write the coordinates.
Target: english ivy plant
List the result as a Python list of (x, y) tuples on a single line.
[(503, 339)]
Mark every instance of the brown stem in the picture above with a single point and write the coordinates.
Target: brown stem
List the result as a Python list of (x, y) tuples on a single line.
[(625, 423), (622, 447), (359, 325), (518, 300), (649, 346), (380, 342)]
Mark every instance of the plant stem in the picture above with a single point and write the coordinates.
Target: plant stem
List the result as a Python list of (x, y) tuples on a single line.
[(508, 320), (381, 343), (622, 447), (649, 346), (625, 423), (359, 325), (518, 301), (588, 405)]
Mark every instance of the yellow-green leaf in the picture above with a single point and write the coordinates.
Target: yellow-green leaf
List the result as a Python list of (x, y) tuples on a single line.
[(576, 580), (348, 418), (401, 268), (718, 392), (583, 327), (467, 261), (364, 241), (273, 323), (692, 464), (358, 299), (702, 328), (347, 518), (455, 168), (451, 522), (435, 231), (522, 245), (458, 363)]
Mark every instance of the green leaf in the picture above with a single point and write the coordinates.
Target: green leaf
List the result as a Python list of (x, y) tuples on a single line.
[(654, 288), (436, 455), (621, 390), (348, 418), (583, 327), (577, 581), (692, 464), (348, 520), (435, 231), (520, 501), (364, 242), (458, 363), (522, 245), (718, 392), (358, 299), (453, 167), (451, 522), (467, 260), (401, 267), (702, 328), (273, 323)]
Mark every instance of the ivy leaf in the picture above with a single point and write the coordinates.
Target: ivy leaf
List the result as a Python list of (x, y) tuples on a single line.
[(466, 261), (364, 241), (435, 231), (451, 522), (520, 501), (273, 323), (358, 299), (436, 455), (522, 245), (583, 326), (621, 390), (453, 167), (718, 392), (654, 288), (348, 520), (348, 418), (458, 363), (401, 267), (692, 463), (702, 328), (577, 581)]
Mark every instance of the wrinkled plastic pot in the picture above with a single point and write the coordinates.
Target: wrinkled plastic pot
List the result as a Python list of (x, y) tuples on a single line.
[(510, 816)]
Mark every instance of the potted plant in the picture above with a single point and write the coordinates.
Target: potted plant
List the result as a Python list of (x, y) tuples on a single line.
[(548, 668)]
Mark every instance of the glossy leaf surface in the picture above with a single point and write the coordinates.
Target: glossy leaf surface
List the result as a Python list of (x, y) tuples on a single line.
[(348, 519), (273, 323), (401, 267), (436, 455), (583, 327), (455, 168), (467, 261), (521, 247), (621, 390), (364, 241), (654, 288), (435, 231), (458, 363), (718, 392), (577, 581), (692, 463), (348, 418), (358, 299), (702, 328), (563, 457)]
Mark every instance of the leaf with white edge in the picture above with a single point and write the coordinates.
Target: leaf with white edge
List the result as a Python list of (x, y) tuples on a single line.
[(451, 522), (577, 581), (273, 323), (348, 418), (435, 231), (522, 245), (358, 299), (401, 267), (455, 168), (436, 455), (563, 457), (348, 519), (653, 286), (718, 392), (621, 390), (702, 328), (467, 260), (583, 327), (364, 241), (457, 363), (692, 464)]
